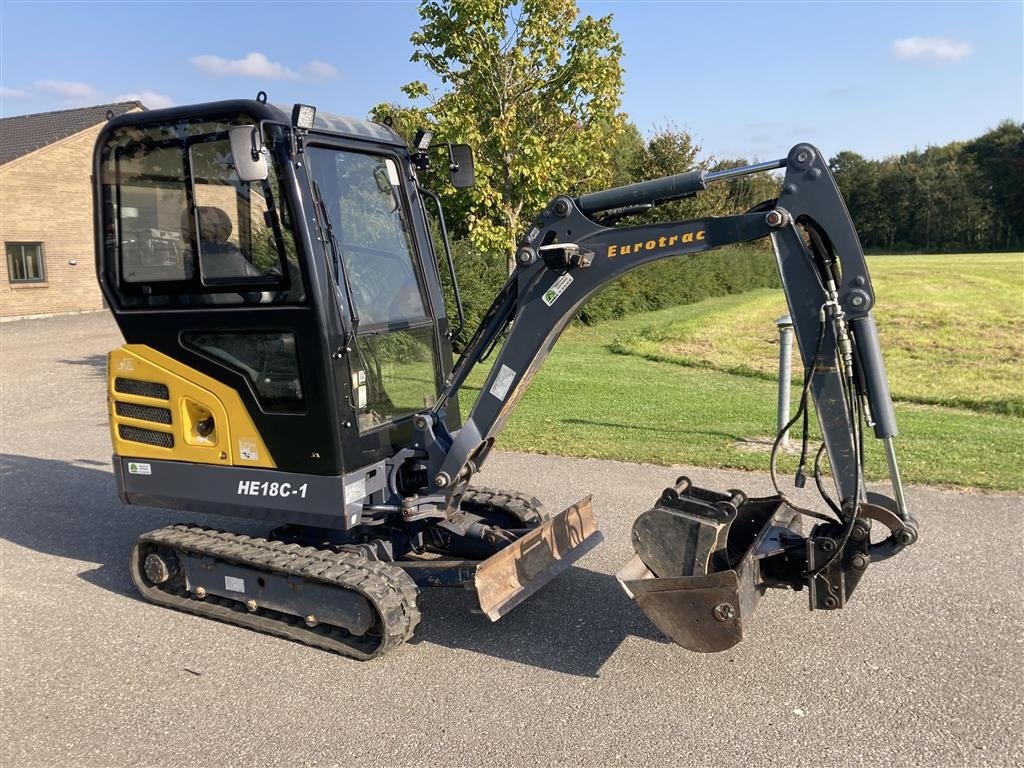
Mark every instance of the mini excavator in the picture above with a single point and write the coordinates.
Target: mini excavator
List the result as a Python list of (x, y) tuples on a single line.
[(288, 360)]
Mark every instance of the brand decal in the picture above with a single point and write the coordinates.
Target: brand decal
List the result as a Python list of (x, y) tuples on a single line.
[(655, 244)]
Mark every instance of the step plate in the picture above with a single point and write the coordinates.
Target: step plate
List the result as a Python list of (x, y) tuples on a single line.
[(510, 576)]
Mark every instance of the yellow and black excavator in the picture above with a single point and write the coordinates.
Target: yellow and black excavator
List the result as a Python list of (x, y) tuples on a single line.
[(288, 359)]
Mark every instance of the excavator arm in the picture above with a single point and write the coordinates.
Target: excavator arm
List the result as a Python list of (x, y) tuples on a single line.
[(702, 558)]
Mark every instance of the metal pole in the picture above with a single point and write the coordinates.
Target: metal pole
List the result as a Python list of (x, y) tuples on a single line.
[(785, 326)]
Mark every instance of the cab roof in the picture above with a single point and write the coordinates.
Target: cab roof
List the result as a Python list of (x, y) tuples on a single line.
[(346, 127)]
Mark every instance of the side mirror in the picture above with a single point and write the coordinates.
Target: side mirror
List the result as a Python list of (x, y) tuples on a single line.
[(247, 153), (382, 174), (461, 157)]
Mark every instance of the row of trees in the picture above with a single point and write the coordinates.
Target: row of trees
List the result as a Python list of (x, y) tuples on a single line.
[(964, 196), (536, 89)]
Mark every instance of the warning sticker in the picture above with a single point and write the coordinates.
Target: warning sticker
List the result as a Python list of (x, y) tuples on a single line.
[(139, 468), (557, 289), (502, 382), (231, 584), (247, 450)]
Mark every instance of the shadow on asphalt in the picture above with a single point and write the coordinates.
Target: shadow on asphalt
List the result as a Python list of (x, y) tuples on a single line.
[(98, 363), (71, 510)]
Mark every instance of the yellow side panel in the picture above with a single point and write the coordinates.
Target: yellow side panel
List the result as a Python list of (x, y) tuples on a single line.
[(207, 421)]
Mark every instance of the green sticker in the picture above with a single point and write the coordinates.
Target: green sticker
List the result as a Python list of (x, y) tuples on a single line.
[(557, 289)]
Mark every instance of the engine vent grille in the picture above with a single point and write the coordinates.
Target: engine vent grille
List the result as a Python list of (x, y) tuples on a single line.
[(147, 436), (144, 412), (141, 388)]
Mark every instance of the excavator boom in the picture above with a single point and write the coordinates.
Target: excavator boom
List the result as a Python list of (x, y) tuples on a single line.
[(703, 559)]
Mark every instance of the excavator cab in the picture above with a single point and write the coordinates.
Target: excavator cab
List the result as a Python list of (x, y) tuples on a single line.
[(312, 296), (288, 359), (277, 287)]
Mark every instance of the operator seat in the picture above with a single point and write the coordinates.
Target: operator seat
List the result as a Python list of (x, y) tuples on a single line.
[(220, 258)]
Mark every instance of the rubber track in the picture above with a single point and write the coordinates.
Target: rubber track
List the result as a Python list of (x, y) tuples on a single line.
[(390, 592), (527, 509)]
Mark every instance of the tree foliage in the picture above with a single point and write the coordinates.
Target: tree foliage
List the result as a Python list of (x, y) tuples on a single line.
[(963, 196), (669, 151), (534, 88)]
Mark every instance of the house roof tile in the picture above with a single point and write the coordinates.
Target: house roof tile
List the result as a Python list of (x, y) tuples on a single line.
[(26, 133)]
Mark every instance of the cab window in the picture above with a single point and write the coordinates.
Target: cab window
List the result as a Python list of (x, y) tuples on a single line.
[(181, 228), (393, 363)]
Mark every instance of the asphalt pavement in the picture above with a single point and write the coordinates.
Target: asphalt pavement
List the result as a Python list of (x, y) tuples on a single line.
[(923, 667)]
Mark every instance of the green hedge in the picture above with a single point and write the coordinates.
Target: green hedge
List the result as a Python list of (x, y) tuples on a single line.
[(685, 280)]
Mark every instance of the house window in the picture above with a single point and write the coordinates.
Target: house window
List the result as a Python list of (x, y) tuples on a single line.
[(25, 263)]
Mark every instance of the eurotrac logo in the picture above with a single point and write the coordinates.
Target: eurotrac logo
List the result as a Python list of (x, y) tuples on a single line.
[(658, 244)]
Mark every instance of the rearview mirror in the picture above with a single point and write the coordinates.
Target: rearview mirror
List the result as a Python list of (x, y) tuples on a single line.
[(247, 153), (386, 177), (461, 156)]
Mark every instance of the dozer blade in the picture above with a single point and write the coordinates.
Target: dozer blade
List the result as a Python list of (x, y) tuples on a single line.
[(507, 578), (699, 570)]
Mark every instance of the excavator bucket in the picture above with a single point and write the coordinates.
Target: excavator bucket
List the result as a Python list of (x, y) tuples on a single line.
[(512, 575), (699, 570)]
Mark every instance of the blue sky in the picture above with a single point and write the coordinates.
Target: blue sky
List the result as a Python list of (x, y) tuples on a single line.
[(746, 79)]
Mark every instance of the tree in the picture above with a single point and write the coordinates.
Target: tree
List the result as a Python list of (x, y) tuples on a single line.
[(626, 156), (535, 89), (999, 155), (669, 151), (955, 197)]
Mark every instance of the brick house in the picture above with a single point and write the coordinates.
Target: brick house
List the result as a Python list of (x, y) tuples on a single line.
[(46, 215)]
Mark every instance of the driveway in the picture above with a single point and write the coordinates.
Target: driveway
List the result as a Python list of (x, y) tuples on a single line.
[(924, 667)]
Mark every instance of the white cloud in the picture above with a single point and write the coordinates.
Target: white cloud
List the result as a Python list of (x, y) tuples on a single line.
[(11, 93), (939, 48), (68, 89), (149, 99), (253, 65), (321, 70)]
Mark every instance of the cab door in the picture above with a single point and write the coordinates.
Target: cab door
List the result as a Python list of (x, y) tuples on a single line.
[(397, 360)]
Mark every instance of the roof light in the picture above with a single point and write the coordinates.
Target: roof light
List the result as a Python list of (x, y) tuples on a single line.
[(303, 116), (422, 139)]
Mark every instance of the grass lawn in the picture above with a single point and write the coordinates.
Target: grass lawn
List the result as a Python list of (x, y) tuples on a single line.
[(689, 384)]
